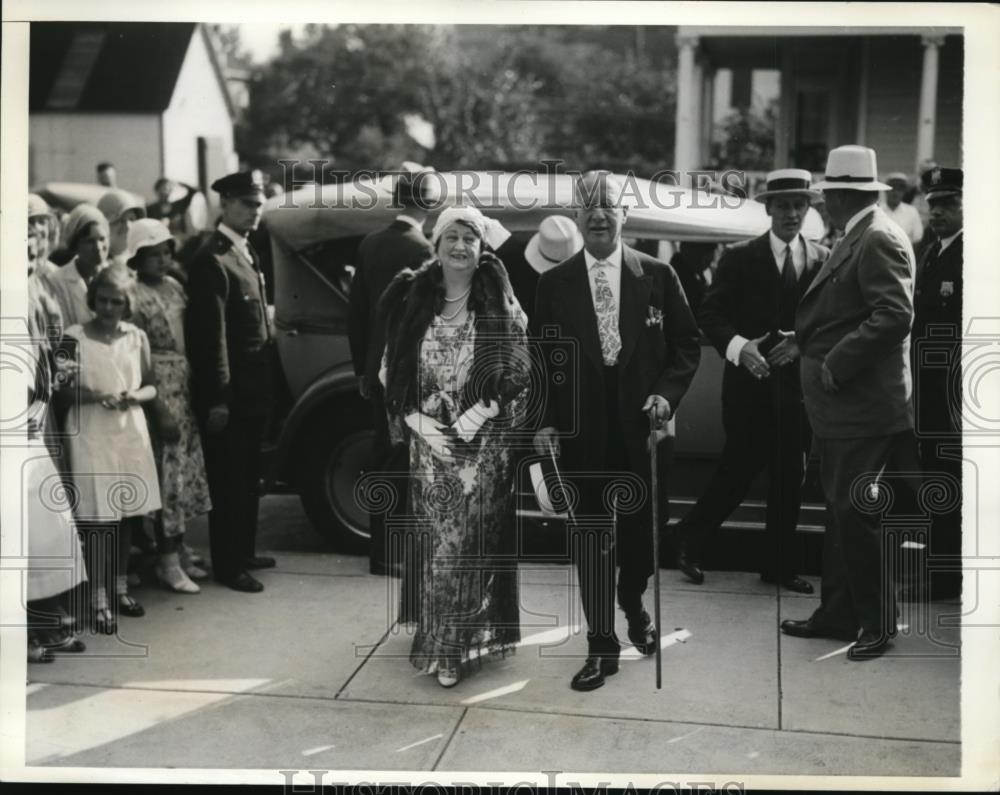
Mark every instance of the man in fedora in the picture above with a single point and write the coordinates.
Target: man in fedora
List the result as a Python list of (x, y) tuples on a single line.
[(619, 321), (852, 329), (557, 239), (749, 316), (231, 352), (381, 256), (936, 337), (904, 214)]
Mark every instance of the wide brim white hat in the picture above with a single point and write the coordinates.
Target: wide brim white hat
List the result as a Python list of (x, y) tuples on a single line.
[(556, 240), (851, 168)]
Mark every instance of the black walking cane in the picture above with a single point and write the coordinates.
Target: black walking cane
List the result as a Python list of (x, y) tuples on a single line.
[(656, 544)]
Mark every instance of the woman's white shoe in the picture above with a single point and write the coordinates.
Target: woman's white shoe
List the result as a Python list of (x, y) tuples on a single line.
[(448, 677), (191, 563), (172, 576)]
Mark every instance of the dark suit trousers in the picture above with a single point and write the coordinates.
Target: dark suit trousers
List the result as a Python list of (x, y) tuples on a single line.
[(595, 549), (759, 434), (858, 590), (940, 460), (232, 464), (392, 461)]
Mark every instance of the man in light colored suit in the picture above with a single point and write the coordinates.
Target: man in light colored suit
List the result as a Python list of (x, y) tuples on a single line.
[(853, 331)]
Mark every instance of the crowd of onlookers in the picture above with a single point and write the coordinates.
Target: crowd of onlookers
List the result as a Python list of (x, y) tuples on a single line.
[(111, 415)]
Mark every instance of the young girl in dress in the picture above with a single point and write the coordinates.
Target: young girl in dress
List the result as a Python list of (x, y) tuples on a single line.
[(111, 456), (159, 305)]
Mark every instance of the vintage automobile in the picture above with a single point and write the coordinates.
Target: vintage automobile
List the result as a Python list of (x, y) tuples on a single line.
[(324, 442)]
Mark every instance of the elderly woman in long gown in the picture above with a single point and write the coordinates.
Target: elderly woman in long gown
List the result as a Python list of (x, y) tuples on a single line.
[(456, 372)]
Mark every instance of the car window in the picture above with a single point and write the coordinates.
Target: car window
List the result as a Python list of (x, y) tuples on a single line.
[(335, 260)]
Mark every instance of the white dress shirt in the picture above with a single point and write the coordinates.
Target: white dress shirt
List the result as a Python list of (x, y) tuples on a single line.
[(239, 243), (853, 222), (947, 241), (778, 249), (613, 271)]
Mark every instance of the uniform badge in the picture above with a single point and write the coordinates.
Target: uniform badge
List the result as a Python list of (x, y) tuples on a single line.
[(947, 289)]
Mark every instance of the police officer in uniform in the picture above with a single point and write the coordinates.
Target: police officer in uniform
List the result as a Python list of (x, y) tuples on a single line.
[(231, 351), (936, 340)]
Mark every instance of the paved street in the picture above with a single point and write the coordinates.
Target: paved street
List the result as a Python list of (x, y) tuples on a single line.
[(311, 674)]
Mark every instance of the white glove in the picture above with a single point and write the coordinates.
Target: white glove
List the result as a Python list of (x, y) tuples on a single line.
[(432, 432), (475, 417)]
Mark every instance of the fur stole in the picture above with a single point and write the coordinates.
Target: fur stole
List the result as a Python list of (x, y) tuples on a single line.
[(407, 307)]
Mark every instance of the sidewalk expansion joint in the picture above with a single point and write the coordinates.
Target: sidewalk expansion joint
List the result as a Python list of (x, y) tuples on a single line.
[(451, 736), (640, 719), (504, 708), (368, 656)]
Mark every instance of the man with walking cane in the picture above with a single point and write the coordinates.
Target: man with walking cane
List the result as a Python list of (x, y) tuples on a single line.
[(631, 348)]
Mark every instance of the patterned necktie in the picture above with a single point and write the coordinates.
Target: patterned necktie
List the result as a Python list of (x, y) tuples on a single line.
[(607, 316)]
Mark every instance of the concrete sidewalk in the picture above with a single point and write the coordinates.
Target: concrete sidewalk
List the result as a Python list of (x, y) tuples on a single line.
[(313, 674)]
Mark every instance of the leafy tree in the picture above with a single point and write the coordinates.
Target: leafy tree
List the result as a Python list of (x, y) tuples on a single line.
[(498, 97), (745, 139)]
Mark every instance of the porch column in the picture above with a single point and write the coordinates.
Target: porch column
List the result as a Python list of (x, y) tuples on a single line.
[(928, 99), (863, 79), (688, 121), (784, 131), (707, 110)]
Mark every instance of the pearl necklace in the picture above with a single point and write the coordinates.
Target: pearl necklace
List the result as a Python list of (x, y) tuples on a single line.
[(454, 314), (459, 298)]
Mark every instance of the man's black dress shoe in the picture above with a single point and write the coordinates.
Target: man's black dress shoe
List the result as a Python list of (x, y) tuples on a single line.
[(261, 562), (643, 635), (381, 568), (869, 646), (243, 582), (809, 629), (690, 569), (591, 676), (792, 583)]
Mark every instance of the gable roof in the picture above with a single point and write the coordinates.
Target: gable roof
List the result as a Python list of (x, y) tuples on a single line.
[(121, 67)]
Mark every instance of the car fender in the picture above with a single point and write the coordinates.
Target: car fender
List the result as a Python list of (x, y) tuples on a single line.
[(338, 381)]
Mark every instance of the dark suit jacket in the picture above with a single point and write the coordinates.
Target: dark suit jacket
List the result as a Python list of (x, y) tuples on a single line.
[(856, 317), (227, 335), (381, 256), (938, 307), (744, 299), (938, 295), (654, 359)]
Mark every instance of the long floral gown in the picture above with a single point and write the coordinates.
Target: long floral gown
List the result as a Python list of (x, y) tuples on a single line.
[(159, 311), (466, 567)]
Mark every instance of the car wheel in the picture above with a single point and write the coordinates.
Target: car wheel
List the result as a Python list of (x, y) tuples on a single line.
[(336, 450)]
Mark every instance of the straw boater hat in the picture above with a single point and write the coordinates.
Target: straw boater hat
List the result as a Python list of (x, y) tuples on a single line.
[(851, 168), (788, 182), (557, 239)]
